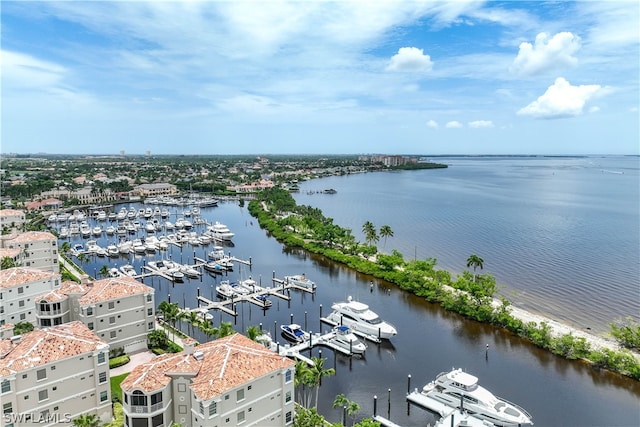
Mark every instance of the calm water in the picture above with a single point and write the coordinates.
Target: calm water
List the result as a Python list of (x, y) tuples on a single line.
[(556, 392), (561, 235)]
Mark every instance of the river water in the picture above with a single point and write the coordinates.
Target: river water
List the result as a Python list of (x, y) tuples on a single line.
[(555, 391)]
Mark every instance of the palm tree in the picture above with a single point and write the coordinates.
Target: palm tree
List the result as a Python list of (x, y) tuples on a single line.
[(193, 319), (7, 262), (475, 261), (301, 381), (352, 407), (317, 372), (225, 329), (65, 247), (253, 332), (86, 420), (370, 233), (104, 270), (386, 231)]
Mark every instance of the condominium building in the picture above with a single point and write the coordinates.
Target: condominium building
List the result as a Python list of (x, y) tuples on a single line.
[(226, 382), (50, 376), (19, 287), (119, 310), (12, 219), (59, 305), (39, 249)]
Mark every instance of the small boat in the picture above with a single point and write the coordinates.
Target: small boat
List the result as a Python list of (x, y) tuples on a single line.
[(176, 275), (300, 280), (459, 389), (264, 300), (112, 250), (347, 340), (111, 230), (226, 290), (114, 272), (213, 267), (128, 270), (96, 231), (189, 271), (294, 332), (149, 227), (101, 252)]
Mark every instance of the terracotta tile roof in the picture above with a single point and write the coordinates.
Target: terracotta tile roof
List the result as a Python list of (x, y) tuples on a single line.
[(23, 275), (33, 236), (226, 363), (10, 252), (113, 288), (10, 212), (68, 287), (47, 345)]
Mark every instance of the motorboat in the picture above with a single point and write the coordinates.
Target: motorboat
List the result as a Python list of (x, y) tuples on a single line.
[(189, 271), (92, 246), (294, 332), (125, 246), (111, 230), (459, 389), (96, 231), (213, 267), (228, 290), (347, 340), (220, 231), (150, 227), (129, 270), (112, 250), (300, 280), (361, 319), (263, 299), (114, 272)]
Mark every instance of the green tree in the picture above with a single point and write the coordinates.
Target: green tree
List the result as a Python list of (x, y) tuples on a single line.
[(157, 339), (65, 247), (476, 262), (370, 233), (225, 329), (386, 231), (22, 328), (317, 372), (352, 408), (104, 270), (86, 420), (253, 332), (7, 262)]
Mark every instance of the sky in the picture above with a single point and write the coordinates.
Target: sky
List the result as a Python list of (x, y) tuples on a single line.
[(320, 77)]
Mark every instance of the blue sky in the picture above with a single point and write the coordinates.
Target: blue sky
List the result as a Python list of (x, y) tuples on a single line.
[(320, 77)]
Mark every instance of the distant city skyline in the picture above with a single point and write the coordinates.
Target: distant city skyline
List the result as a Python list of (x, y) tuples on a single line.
[(348, 77)]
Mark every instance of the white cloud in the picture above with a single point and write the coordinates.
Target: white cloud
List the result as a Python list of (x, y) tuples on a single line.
[(454, 124), (594, 109), (547, 53), (410, 59), (27, 72), (432, 124), (481, 124), (560, 100)]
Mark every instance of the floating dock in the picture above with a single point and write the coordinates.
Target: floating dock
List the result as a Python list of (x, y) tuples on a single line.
[(449, 416)]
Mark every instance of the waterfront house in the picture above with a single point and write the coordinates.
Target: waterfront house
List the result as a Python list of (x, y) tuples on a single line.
[(227, 382), (50, 376)]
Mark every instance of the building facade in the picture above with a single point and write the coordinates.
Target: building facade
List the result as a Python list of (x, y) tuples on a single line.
[(50, 376), (12, 219), (227, 382), (119, 310), (19, 287), (59, 305), (39, 249), (159, 189)]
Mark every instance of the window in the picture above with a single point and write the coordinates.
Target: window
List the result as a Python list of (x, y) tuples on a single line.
[(151, 326), (41, 374), (288, 417), (113, 334), (182, 409), (138, 399), (287, 397), (287, 376), (112, 320), (6, 386), (213, 409), (182, 387), (112, 305), (240, 417), (7, 408), (44, 414), (149, 311), (89, 311), (102, 377), (104, 396), (240, 395), (20, 290), (101, 358), (23, 316), (21, 303), (156, 398), (43, 395), (149, 297), (202, 408), (90, 326)]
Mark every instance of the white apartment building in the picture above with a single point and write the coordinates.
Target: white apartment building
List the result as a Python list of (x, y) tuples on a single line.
[(50, 376), (227, 382), (19, 287), (12, 219), (120, 310), (39, 249)]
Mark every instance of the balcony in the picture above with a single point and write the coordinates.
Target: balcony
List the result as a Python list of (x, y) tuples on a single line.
[(139, 409)]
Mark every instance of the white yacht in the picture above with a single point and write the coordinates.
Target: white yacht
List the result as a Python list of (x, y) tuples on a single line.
[(220, 231), (300, 280), (457, 388), (129, 270), (361, 319), (347, 340)]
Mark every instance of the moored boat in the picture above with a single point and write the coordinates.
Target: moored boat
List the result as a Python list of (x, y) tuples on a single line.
[(347, 340), (361, 319), (293, 332)]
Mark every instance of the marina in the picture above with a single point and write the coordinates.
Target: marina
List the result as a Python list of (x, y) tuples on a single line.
[(421, 326)]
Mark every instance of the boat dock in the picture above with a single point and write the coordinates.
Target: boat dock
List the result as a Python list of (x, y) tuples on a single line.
[(294, 350)]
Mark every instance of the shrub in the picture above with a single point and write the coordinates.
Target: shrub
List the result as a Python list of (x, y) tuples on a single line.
[(114, 362)]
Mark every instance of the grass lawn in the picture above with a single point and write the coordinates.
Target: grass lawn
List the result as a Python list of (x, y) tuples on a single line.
[(115, 385)]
